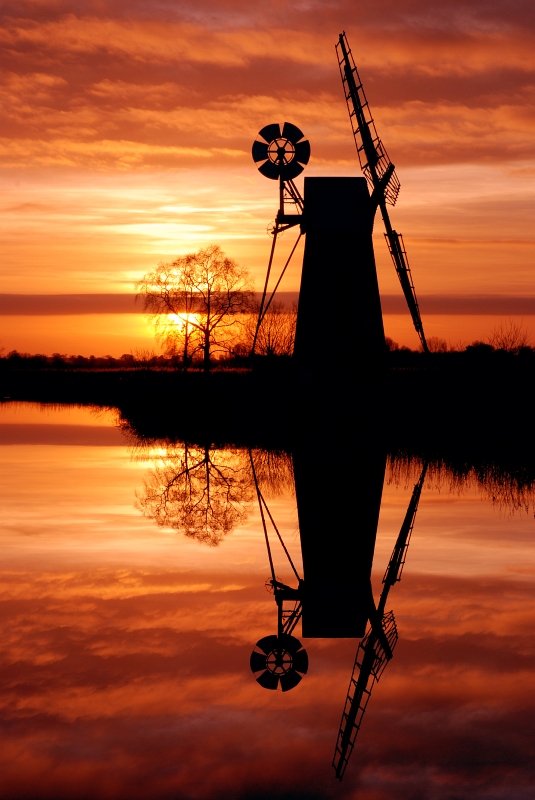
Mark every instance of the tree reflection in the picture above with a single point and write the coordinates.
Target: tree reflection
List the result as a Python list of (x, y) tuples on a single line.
[(274, 472), (205, 492), (201, 492), (508, 485)]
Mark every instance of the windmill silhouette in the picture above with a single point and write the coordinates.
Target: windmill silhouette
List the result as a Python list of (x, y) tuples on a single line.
[(337, 215), (380, 173)]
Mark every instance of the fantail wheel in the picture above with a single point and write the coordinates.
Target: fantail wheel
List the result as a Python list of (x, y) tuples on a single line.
[(281, 154)]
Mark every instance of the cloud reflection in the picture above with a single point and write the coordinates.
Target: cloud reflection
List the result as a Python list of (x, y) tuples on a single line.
[(126, 692)]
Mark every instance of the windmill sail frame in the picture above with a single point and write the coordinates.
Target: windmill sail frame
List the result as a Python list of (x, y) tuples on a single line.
[(376, 648), (379, 171), (373, 158), (370, 663)]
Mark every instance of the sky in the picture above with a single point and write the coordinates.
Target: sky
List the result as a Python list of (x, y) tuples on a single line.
[(127, 130), (124, 668)]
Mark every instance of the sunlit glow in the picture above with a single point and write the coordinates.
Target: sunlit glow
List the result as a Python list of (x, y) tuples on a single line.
[(184, 320), (84, 334)]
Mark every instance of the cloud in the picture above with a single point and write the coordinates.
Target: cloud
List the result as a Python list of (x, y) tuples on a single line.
[(221, 133), (61, 434), (111, 91), (69, 304), (464, 304), (157, 42), (412, 40), (103, 154)]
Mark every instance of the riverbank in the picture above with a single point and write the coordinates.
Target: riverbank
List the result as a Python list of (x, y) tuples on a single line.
[(438, 405)]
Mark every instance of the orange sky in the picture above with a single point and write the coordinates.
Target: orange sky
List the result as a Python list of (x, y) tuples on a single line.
[(124, 661), (127, 129)]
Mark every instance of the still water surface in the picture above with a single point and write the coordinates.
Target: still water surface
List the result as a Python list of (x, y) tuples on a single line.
[(126, 643)]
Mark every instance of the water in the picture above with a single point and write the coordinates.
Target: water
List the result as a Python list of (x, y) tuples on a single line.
[(129, 617)]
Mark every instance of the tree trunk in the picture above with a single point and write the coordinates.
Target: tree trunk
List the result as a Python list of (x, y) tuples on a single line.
[(185, 354), (206, 353), (206, 343)]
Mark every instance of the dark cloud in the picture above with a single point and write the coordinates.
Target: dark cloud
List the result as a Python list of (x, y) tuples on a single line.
[(451, 84), (16, 304), (69, 304), (77, 304), (467, 304), (61, 434)]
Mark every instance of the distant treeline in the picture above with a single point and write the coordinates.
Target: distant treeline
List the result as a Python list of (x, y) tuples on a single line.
[(16, 360), (480, 351), (142, 360), (397, 356)]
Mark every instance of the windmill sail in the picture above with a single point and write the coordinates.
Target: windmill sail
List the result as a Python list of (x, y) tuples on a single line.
[(370, 662), (379, 171), (401, 263), (373, 157), (397, 559), (376, 648)]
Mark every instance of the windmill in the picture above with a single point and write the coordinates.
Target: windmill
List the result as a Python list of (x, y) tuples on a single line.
[(281, 155), (376, 648), (337, 216), (380, 173)]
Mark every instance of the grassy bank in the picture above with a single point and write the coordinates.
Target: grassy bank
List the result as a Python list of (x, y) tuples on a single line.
[(419, 403)]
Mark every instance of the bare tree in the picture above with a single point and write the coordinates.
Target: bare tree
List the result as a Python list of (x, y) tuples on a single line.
[(509, 336), (437, 345), (276, 335), (194, 302)]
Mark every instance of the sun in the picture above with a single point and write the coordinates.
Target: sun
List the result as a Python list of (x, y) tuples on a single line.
[(184, 320)]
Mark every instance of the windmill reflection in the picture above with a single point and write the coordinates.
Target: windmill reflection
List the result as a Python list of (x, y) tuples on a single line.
[(334, 597), (337, 535)]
